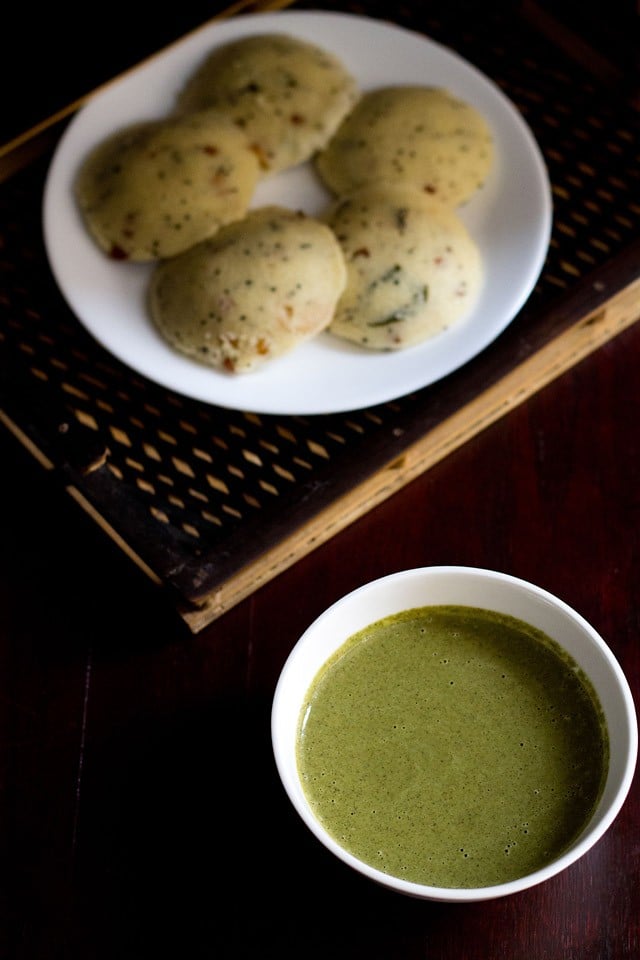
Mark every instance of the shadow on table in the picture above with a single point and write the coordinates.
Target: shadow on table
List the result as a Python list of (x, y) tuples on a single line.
[(187, 843)]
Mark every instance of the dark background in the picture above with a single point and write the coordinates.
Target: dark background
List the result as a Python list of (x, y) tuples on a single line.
[(53, 55)]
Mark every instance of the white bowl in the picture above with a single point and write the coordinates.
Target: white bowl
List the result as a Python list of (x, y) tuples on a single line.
[(467, 586)]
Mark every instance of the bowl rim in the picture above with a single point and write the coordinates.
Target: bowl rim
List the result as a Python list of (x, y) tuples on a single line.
[(603, 816)]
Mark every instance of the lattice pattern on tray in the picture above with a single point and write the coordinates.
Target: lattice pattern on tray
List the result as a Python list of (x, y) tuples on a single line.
[(197, 491)]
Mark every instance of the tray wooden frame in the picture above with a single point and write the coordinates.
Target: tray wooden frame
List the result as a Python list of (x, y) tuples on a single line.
[(578, 306)]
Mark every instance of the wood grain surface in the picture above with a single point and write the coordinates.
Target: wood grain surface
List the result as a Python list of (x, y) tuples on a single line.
[(141, 815), (586, 334), (141, 811)]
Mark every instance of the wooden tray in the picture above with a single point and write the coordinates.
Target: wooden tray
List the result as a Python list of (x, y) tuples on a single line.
[(211, 503)]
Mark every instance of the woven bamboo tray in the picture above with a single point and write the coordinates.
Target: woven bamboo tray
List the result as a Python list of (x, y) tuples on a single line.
[(212, 503)]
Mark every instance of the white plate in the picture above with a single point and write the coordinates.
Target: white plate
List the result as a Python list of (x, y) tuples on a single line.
[(510, 219)]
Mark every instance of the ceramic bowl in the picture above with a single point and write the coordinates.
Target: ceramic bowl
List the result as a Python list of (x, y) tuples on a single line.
[(467, 586)]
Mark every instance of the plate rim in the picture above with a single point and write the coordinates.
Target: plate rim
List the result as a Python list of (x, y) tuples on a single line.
[(231, 391)]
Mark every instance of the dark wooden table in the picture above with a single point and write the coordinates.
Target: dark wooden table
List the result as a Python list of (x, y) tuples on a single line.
[(140, 811)]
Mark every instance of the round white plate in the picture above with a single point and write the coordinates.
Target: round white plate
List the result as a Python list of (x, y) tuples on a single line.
[(510, 219)]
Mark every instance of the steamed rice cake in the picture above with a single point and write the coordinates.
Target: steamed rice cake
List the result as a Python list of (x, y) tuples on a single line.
[(419, 135), (413, 270), (260, 287), (152, 189), (287, 94)]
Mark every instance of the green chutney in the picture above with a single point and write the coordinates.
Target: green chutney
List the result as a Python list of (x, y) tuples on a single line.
[(452, 746)]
